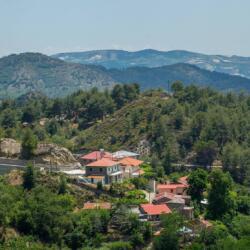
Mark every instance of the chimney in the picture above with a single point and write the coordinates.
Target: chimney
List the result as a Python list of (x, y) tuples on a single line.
[(102, 153)]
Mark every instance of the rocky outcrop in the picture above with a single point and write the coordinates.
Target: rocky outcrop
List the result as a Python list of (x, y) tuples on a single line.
[(9, 147), (53, 154), (143, 148), (46, 153)]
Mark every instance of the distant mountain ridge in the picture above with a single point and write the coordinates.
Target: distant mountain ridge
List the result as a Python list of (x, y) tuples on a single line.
[(234, 65), (34, 72), (162, 77)]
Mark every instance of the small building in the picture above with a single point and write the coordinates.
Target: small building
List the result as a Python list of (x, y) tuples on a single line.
[(152, 212), (124, 154), (101, 205), (174, 188), (105, 171), (130, 167), (180, 203)]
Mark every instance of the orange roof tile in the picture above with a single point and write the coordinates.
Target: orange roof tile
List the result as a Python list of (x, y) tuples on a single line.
[(104, 162), (183, 180), (128, 161), (152, 209)]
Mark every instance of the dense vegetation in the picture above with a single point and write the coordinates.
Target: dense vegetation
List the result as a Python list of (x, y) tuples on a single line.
[(39, 214), (44, 211), (34, 117), (192, 125)]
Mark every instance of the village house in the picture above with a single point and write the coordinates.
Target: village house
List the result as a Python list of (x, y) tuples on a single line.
[(152, 212), (131, 167), (179, 203), (174, 188), (104, 170)]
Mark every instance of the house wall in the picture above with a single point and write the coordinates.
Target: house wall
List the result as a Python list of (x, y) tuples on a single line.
[(106, 172), (178, 190), (102, 171), (175, 206)]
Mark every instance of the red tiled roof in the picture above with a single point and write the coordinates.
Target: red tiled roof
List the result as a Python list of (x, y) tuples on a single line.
[(128, 161), (183, 180), (152, 209), (139, 171), (164, 195), (102, 205), (104, 162), (96, 155)]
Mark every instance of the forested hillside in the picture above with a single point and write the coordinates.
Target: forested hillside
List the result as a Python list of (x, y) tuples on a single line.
[(194, 125), (162, 77), (43, 210), (20, 74)]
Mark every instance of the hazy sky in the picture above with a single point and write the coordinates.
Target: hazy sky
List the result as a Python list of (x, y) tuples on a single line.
[(51, 26)]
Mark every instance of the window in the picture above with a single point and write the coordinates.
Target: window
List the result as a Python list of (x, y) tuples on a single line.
[(101, 169), (90, 169)]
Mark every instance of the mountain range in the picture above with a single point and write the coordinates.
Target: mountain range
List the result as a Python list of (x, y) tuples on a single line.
[(31, 72), (234, 65), (35, 72)]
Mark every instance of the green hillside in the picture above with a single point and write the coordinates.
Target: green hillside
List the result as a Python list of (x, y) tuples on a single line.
[(196, 126), (28, 72), (126, 127)]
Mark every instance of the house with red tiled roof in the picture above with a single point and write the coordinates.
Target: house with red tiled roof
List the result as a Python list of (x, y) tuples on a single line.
[(104, 170), (95, 156), (175, 188), (152, 212), (130, 167), (183, 180)]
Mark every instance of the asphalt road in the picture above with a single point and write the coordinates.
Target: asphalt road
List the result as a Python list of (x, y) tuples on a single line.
[(13, 162)]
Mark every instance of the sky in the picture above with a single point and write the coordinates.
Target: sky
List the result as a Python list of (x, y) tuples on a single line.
[(52, 26)]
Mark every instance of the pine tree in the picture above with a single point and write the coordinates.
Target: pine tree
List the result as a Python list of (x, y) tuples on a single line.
[(29, 177), (29, 144), (62, 185)]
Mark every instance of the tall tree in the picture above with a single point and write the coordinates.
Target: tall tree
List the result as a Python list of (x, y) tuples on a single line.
[(205, 152), (197, 181), (169, 238), (9, 118), (220, 200), (29, 144), (29, 177)]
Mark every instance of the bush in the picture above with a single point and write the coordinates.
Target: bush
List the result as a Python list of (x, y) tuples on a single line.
[(119, 245)]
